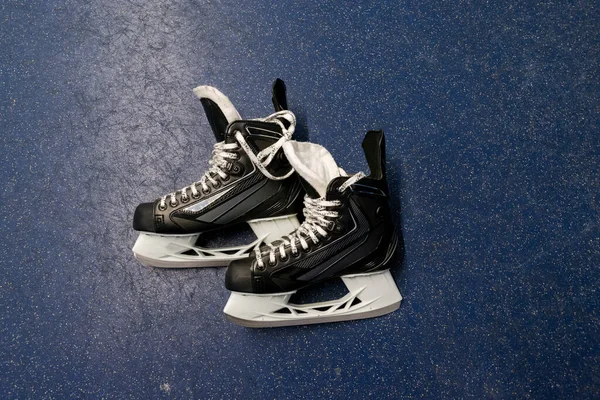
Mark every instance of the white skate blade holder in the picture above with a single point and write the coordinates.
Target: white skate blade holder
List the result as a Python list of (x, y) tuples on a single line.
[(180, 251), (369, 295)]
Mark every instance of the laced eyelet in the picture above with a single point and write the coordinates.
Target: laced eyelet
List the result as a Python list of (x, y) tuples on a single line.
[(296, 253), (284, 259), (174, 204), (207, 191), (185, 199), (226, 179), (161, 207), (196, 196), (272, 264), (217, 185), (260, 268)]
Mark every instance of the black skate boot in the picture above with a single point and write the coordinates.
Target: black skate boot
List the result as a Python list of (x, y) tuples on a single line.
[(348, 233), (249, 180)]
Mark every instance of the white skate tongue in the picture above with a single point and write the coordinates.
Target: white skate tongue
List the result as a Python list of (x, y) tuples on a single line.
[(313, 163), (218, 108)]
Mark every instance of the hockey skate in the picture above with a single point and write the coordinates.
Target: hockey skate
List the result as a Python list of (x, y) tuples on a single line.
[(249, 181), (348, 233)]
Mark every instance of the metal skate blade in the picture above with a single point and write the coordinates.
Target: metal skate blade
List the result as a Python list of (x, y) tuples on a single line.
[(197, 263), (316, 320)]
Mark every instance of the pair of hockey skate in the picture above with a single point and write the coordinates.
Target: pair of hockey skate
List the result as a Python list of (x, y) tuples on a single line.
[(259, 176)]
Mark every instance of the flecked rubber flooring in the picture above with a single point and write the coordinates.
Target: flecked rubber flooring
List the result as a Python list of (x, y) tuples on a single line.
[(491, 113)]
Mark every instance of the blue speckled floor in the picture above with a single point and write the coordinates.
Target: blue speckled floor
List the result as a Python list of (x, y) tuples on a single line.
[(491, 113)]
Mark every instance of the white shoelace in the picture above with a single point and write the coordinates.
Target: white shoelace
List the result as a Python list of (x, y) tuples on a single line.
[(224, 152), (264, 158), (316, 221)]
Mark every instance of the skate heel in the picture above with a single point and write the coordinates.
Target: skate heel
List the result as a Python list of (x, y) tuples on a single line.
[(391, 250), (369, 295), (270, 229)]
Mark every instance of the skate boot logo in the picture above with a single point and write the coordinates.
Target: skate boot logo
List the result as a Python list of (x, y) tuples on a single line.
[(199, 206)]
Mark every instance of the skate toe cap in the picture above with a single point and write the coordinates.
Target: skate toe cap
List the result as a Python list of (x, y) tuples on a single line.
[(238, 277), (143, 218)]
